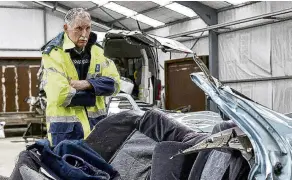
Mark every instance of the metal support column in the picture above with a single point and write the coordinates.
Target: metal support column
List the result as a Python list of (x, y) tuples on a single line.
[(45, 25), (206, 13), (209, 16), (213, 63), (213, 54)]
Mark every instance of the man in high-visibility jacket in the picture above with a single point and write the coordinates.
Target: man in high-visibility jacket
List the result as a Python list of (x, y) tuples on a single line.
[(76, 78)]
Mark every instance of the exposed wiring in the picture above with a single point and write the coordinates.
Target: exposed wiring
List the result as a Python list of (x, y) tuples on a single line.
[(139, 25), (196, 41)]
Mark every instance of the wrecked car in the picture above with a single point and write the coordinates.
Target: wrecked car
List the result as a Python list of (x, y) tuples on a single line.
[(136, 56), (262, 135), (253, 142)]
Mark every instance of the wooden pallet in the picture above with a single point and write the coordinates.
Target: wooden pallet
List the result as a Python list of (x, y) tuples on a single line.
[(19, 118)]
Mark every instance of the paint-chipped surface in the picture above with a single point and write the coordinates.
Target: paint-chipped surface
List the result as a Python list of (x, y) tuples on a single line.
[(16, 84), (10, 85), (34, 81), (23, 87), (1, 89)]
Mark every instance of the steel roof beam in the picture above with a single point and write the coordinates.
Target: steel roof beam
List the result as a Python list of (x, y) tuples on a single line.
[(236, 6), (187, 19), (218, 26), (206, 13), (96, 22), (172, 23), (96, 6), (140, 12)]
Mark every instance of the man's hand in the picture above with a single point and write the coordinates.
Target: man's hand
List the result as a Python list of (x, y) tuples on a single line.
[(80, 84)]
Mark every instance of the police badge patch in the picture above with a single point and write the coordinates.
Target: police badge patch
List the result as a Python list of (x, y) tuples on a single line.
[(97, 68)]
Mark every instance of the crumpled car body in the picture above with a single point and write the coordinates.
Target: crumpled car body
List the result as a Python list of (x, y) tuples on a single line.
[(262, 135)]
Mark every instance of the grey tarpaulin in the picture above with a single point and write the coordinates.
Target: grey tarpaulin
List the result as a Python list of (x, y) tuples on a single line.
[(127, 140)]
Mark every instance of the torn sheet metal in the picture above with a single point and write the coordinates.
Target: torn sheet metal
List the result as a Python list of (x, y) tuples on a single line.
[(203, 121), (267, 130), (232, 138)]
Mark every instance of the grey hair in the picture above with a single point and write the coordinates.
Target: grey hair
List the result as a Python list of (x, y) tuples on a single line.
[(73, 13)]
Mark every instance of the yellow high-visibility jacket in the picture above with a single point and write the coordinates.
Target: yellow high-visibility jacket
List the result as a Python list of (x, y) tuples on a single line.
[(71, 114)]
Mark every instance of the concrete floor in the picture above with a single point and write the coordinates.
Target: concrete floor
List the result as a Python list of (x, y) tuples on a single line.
[(9, 150)]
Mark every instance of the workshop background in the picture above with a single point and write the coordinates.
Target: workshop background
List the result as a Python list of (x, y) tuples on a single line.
[(245, 44), (248, 46)]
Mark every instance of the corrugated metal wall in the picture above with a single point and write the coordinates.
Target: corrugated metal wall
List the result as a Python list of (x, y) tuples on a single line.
[(17, 83)]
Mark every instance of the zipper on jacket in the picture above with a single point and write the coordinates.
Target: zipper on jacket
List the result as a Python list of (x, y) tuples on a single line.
[(86, 111)]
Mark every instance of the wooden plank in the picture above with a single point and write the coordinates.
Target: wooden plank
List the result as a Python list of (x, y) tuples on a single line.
[(1, 91), (22, 58), (23, 87), (34, 81), (10, 89), (24, 113), (17, 118)]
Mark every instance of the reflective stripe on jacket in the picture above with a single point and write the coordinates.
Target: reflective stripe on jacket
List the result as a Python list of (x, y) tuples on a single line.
[(65, 119)]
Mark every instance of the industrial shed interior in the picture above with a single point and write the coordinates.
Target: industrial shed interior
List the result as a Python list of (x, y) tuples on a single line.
[(246, 45)]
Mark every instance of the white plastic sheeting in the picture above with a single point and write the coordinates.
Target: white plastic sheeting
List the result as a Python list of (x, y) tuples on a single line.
[(21, 28), (261, 91), (244, 12), (245, 54), (282, 96), (264, 51), (201, 48), (55, 24), (251, 10), (179, 28), (24, 28), (260, 52), (281, 48), (276, 94), (279, 5)]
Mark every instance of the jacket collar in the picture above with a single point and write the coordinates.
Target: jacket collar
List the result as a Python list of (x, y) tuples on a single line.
[(64, 42), (67, 44)]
